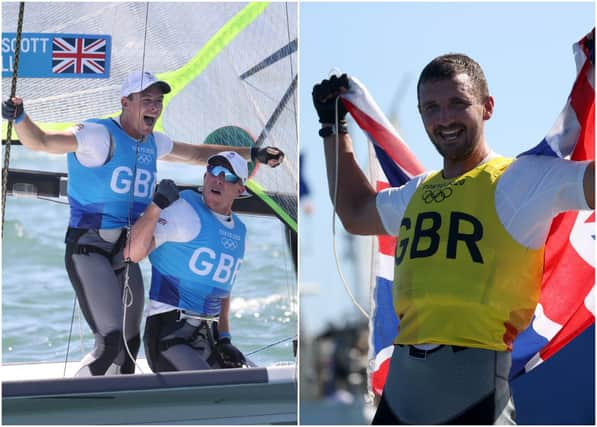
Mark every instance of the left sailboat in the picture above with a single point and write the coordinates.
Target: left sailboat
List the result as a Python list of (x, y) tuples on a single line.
[(237, 67)]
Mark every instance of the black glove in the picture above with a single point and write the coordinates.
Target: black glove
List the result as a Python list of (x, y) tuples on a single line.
[(165, 194), (267, 154), (231, 356), (324, 98), (12, 111)]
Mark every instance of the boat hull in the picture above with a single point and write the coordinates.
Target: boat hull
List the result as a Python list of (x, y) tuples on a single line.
[(231, 396)]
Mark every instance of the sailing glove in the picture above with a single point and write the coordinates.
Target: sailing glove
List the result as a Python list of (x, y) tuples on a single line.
[(271, 156), (324, 98), (13, 111), (231, 356), (165, 194)]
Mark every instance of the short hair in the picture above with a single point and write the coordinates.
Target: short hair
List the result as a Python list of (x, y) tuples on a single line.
[(452, 64)]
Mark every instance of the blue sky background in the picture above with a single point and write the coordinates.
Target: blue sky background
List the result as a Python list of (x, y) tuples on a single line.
[(525, 50)]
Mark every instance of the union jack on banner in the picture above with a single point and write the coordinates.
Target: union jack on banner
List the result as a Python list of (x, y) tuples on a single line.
[(78, 55), (566, 306)]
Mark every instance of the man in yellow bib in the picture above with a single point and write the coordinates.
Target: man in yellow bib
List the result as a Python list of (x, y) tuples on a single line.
[(469, 258)]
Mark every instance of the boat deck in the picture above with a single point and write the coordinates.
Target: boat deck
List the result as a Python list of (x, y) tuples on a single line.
[(39, 394)]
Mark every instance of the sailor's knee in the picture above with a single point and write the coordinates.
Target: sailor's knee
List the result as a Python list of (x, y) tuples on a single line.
[(110, 344), (134, 343)]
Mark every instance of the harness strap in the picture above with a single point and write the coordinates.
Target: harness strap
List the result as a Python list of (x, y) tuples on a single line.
[(165, 344), (215, 355), (74, 234), (422, 354), (171, 342), (88, 249)]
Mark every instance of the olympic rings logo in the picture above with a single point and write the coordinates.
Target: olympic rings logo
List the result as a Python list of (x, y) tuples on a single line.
[(437, 196), (145, 159), (229, 243)]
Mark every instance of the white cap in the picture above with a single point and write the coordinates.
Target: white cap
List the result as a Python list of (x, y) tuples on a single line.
[(138, 81), (237, 164)]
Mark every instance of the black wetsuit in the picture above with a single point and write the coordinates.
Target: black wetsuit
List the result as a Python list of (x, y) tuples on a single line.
[(175, 344), (447, 385), (97, 272)]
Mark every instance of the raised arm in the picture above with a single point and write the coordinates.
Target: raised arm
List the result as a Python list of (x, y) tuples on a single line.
[(355, 197), (141, 240), (31, 136), (198, 154)]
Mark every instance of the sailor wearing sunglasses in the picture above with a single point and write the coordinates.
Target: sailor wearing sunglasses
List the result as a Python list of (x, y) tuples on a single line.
[(196, 246)]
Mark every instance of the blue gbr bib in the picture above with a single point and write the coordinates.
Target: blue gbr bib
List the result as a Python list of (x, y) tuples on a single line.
[(198, 274), (105, 196)]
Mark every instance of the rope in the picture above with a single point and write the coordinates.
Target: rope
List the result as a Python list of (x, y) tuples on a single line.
[(13, 91), (346, 287), (127, 295)]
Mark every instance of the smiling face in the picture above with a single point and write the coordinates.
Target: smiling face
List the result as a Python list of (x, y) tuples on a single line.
[(218, 193), (453, 114), (140, 111)]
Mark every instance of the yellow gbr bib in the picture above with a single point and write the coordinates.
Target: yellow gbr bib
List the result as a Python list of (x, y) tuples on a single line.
[(460, 278)]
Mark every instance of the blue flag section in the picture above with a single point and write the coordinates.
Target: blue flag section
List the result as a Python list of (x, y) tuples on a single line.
[(57, 55), (561, 390)]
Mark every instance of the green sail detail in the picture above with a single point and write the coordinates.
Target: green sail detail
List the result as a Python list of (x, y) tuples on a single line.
[(259, 191), (178, 79)]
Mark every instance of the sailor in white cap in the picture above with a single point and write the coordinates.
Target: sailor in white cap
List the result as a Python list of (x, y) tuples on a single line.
[(196, 245), (112, 171)]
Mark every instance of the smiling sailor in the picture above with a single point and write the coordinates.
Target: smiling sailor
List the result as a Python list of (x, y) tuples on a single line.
[(196, 245), (112, 174)]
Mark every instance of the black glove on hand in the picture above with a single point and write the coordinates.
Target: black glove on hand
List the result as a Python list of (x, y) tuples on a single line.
[(165, 194), (324, 98), (232, 356), (267, 155), (12, 111)]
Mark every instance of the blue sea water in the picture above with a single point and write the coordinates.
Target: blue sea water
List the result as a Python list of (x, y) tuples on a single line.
[(37, 297)]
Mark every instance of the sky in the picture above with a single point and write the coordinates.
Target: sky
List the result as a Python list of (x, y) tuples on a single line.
[(525, 50)]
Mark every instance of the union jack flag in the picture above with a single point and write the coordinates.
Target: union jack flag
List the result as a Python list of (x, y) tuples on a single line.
[(78, 55)]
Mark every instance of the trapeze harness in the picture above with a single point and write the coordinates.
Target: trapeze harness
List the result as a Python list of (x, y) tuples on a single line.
[(103, 200), (192, 278), (467, 321)]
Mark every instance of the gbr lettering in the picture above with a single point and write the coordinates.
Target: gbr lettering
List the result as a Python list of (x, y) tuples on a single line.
[(122, 179), (426, 238), (203, 262)]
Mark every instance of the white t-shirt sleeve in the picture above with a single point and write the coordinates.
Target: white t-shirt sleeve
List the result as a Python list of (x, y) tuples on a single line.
[(178, 223), (93, 144), (533, 190), (163, 143), (392, 202)]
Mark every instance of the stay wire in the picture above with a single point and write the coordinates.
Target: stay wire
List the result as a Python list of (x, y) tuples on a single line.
[(280, 341), (294, 290), (289, 264), (70, 332), (13, 91), (292, 76), (334, 202)]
